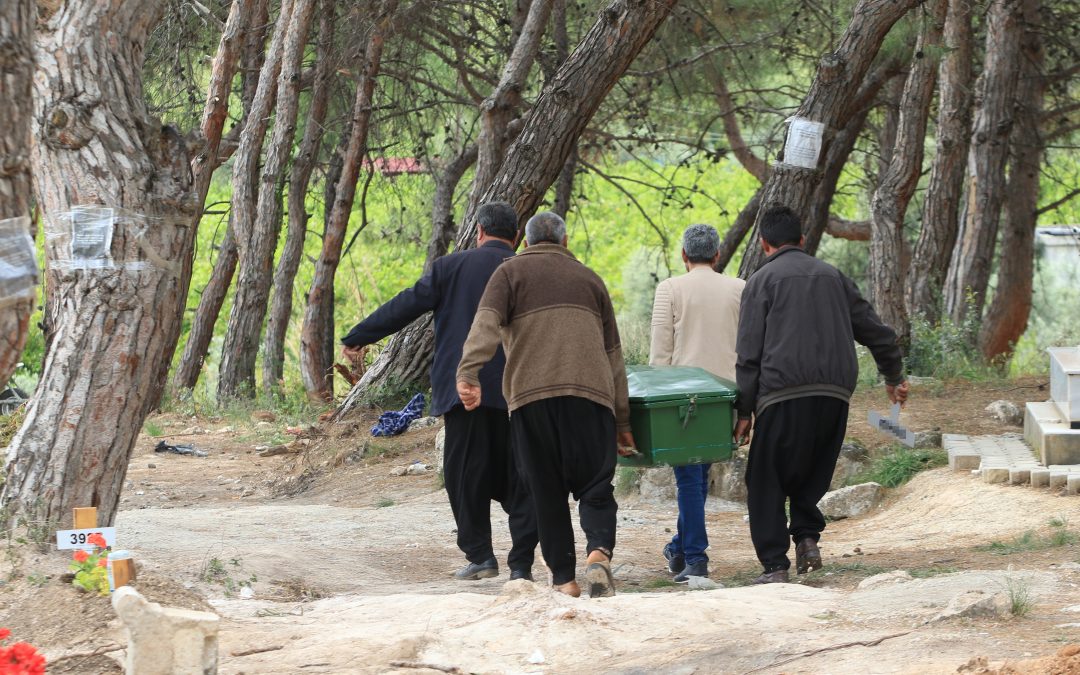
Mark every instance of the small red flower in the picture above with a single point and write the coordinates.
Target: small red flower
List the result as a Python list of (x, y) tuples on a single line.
[(4, 633), (96, 539), (81, 556), (102, 562)]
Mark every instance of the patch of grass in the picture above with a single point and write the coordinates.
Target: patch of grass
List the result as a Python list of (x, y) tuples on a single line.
[(1020, 600), (384, 502), (900, 465), (659, 583), (1059, 521), (627, 481), (37, 580), (1059, 536), (151, 429), (216, 571), (932, 571), (740, 578)]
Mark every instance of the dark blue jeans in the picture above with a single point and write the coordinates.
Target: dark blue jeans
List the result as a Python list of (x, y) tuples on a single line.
[(692, 483)]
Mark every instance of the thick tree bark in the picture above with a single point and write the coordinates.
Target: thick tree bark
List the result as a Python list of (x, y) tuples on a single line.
[(837, 80), (500, 108), (941, 208), (819, 220), (1007, 318), (212, 298), (443, 225), (973, 255), (16, 73), (216, 110), (277, 324), (115, 327), (898, 181), (254, 246), (744, 222), (317, 333), (535, 158)]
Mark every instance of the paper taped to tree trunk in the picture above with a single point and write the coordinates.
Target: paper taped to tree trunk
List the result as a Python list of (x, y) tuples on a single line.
[(84, 237), (18, 268), (803, 144)]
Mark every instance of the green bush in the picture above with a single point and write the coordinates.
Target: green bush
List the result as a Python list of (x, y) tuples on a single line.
[(900, 465)]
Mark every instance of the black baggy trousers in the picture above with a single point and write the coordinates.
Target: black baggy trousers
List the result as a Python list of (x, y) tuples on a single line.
[(566, 445), (792, 456), (478, 466)]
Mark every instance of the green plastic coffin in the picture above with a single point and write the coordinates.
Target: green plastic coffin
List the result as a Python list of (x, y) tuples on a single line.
[(680, 415)]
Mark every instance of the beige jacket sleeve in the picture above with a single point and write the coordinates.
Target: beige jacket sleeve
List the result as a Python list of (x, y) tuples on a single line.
[(662, 342)]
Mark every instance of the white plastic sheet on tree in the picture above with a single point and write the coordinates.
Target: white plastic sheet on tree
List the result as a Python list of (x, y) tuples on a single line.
[(18, 269), (803, 144), (84, 237)]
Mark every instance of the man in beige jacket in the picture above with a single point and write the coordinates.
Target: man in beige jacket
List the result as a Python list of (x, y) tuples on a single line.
[(694, 323)]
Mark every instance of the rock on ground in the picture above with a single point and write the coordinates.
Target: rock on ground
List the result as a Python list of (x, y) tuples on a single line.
[(658, 483), (851, 501), (729, 478), (853, 460), (1006, 412)]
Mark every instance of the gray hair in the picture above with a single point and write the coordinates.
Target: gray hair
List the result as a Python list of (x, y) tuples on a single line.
[(700, 243), (545, 226)]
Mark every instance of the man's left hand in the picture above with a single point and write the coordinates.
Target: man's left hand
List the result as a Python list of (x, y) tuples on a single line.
[(469, 394), (624, 442), (898, 393)]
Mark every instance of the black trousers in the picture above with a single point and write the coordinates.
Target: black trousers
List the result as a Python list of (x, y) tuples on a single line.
[(478, 467), (566, 445), (792, 456)]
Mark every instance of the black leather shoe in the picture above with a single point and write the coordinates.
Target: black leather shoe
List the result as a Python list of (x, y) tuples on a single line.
[(698, 569), (807, 556), (473, 571), (775, 577), (525, 574), (675, 561)]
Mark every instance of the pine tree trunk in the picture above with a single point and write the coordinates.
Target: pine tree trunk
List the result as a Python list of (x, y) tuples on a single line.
[(317, 333), (819, 221), (535, 158), (212, 297), (973, 255), (443, 225), (255, 247), (277, 324), (838, 78), (1007, 318), (16, 73), (498, 109), (941, 209), (115, 328), (898, 181)]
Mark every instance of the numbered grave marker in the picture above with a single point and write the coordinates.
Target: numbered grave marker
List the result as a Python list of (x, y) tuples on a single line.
[(75, 539)]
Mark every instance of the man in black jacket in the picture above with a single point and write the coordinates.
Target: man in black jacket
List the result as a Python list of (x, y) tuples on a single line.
[(796, 371), (477, 466)]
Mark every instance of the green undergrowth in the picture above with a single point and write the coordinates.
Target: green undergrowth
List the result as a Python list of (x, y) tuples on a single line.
[(900, 465), (1058, 536)]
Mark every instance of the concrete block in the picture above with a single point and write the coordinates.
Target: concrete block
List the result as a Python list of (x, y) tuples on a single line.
[(1072, 484), (1018, 476), (1040, 477), (964, 460), (1065, 381), (164, 640), (1048, 432), (1058, 480), (995, 474)]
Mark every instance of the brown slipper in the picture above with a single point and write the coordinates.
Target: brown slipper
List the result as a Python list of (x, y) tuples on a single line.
[(601, 583)]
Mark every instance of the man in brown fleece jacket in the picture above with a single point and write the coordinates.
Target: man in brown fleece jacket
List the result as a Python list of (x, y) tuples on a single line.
[(565, 385)]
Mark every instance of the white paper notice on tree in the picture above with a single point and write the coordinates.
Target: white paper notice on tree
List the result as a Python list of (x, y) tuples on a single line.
[(803, 144), (18, 268), (91, 236)]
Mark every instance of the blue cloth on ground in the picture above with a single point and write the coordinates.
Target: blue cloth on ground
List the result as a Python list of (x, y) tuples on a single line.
[(393, 422)]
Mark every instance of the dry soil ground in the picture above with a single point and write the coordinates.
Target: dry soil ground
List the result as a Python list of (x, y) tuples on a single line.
[(349, 568)]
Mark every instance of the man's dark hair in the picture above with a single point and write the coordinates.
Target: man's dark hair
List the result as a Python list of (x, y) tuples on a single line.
[(780, 226), (498, 219)]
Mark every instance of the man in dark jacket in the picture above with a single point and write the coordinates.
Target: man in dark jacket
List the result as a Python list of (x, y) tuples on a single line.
[(478, 465), (796, 371)]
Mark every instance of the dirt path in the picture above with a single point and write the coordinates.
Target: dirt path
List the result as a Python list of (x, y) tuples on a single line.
[(350, 568)]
